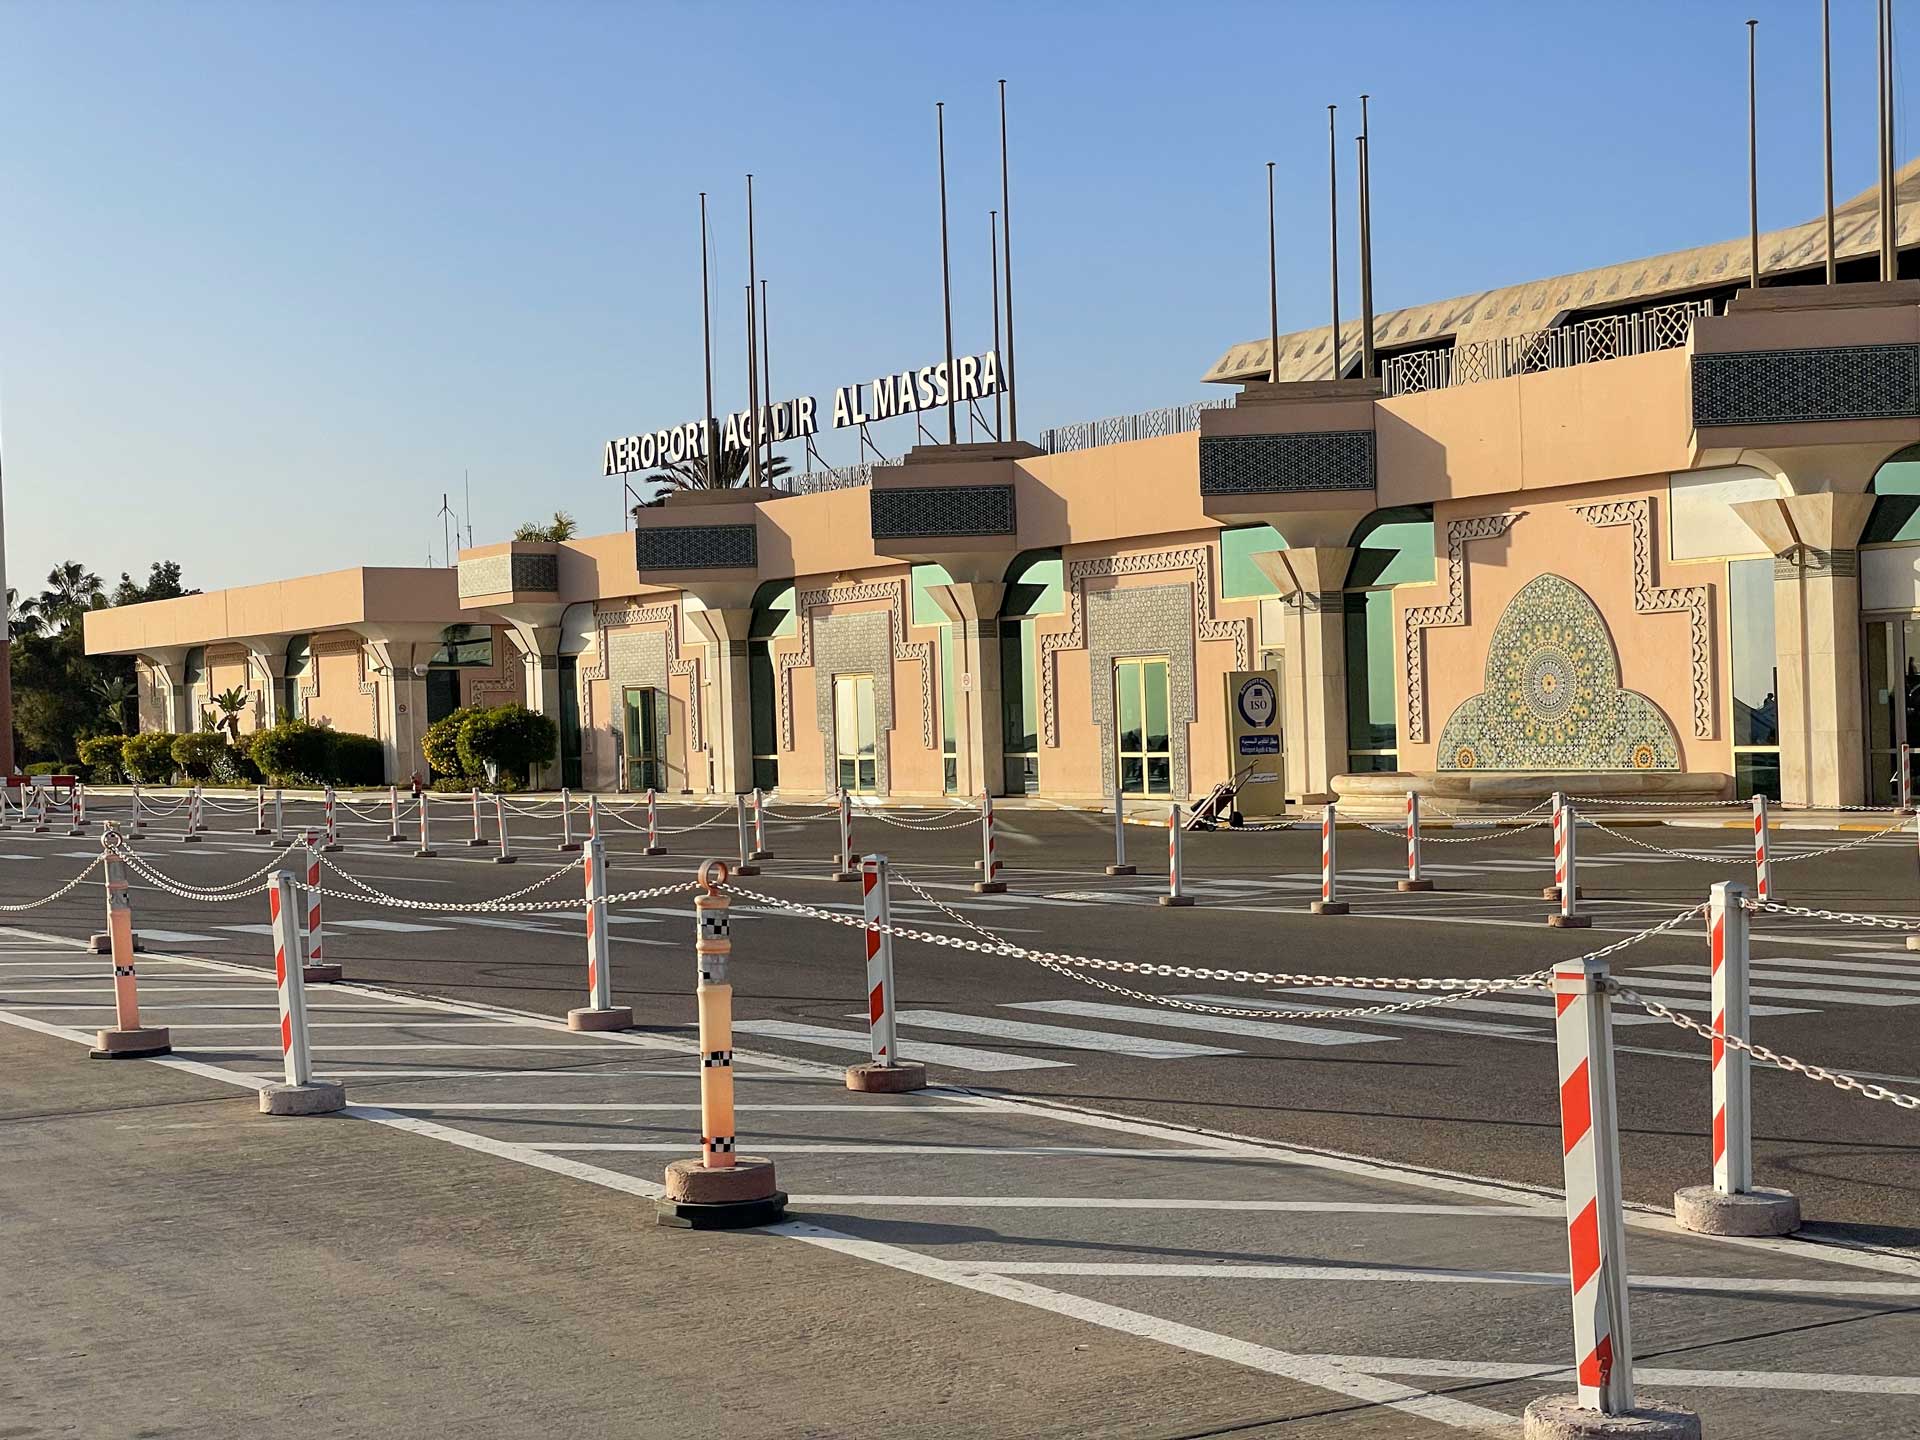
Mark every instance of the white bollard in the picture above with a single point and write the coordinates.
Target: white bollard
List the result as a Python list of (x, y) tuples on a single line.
[(1903, 782), (200, 809), (300, 1093), (333, 824), (1175, 895), (885, 1072), (478, 838), (567, 843), (1732, 1205), (654, 847), (1762, 851), (40, 823), (1415, 880), (846, 867), (1329, 902), (599, 1013), (1119, 865), (279, 814), (742, 866), (506, 856), (79, 810), (989, 882), (139, 821), (760, 850), (425, 850), (190, 836), (315, 968), (260, 810), (394, 837), (593, 817), (1566, 869)]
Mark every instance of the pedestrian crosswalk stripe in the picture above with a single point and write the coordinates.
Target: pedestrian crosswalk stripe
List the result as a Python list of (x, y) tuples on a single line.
[(1411, 1022), (1215, 1024), (1062, 1036), (960, 1057), (1542, 1011), (1774, 972), (1645, 981)]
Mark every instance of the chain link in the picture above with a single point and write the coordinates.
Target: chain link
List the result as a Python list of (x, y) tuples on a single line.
[(1841, 917), (498, 903), (56, 895), (213, 894)]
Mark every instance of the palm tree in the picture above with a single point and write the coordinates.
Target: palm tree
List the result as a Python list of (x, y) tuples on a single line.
[(230, 704), (115, 693), (23, 615), (71, 591), (731, 471), (562, 527)]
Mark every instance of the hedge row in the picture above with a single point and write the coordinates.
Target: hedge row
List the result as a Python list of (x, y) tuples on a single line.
[(290, 753), (490, 747)]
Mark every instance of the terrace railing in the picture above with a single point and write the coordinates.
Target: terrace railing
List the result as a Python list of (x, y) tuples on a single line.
[(1608, 337), (1117, 429)]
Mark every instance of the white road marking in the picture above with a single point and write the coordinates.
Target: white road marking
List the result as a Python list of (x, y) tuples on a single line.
[(173, 937), (1771, 973), (1541, 1012), (1062, 1037), (1134, 1202), (777, 1148), (884, 1112), (1642, 980), (1642, 1374), (397, 927), (1350, 1274), (1213, 1024), (959, 1057), (1413, 1022)]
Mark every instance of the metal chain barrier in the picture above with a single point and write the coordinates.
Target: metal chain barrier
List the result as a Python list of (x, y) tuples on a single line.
[(1780, 859), (227, 890), (967, 817), (498, 903), (1841, 917), (56, 895), (1838, 1079), (1730, 857)]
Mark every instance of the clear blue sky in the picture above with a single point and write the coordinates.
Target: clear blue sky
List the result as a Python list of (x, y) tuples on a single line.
[(272, 275)]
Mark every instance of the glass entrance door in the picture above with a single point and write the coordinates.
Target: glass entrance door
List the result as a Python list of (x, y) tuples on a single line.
[(1144, 749), (853, 733), (1893, 701), (639, 710)]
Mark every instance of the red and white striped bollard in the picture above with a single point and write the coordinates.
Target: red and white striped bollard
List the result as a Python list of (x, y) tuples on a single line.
[(846, 866), (394, 837), (1329, 902), (479, 838), (425, 850), (299, 1093), (599, 1013), (1415, 881), (884, 1072), (506, 856), (315, 968), (1762, 851), (191, 835), (1566, 869), (260, 810), (79, 804), (333, 824), (1176, 893)]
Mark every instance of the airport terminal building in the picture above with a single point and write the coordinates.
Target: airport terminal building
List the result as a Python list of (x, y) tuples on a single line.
[(1642, 525)]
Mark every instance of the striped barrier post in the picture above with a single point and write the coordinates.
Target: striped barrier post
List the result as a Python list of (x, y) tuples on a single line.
[(760, 850), (279, 814), (1175, 895), (6, 807), (1905, 779), (599, 1013), (1732, 1205), (299, 1093), (722, 1188), (394, 837), (885, 1072), (1596, 1229), (742, 866), (506, 856), (567, 843), (260, 810), (1415, 880), (79, 815), (989, 882), (200, 809), (654, 847), (846, 867), (425, 850), (1119, 865), (41, 825), (1566, 869), (593, 817), (1552, 892), (479, 839), (191, 836), (315, 968), (128, 1039), (1762, 851), (333, 823), (139, 820), (1329, 902)]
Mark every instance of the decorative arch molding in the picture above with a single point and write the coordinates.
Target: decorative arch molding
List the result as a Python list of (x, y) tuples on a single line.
[(1694, 601), (1451, 612), (1197, 558), (689, 667), (894, 592)]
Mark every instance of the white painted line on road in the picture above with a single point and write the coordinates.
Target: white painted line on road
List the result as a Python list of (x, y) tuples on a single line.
[(1063, 1037), (885, 1112), (1643, 1374), (1644, 980), (1134, 1202), (396, 927), (958, 1057), (1214, 1024), (1541, 1012), (487, 1046), (396, 1023), (145, 988), (1412, 1022), (1771, 972), (1349, 1274), (1303, 1369), (678, 1147), (173, 937)]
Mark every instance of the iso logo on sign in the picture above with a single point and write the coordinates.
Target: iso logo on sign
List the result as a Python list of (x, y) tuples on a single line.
[(1257, 702)]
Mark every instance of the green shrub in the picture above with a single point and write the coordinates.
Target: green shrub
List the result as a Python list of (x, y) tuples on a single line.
[(441, 744), (234, 766), (46, 767), (511, 737), (100, 757), (291, 753), (148, 757), (196, 753), (354, 759)]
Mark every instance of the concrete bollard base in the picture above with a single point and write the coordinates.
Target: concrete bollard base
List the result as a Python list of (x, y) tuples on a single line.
[(759, 855), (1913, 942), (894, 1079), (331, 849), (989, 887), (567, 847), (616, 1017), (846, 874), (132, 1044), (477, 842), (263, 832), (1760, 1211), (743, 1194), (1179, 900), (746, 869), (320, 1097), (654, 850), (425, 854), (1570, 922), (1121, 870), (1328, 907), (320, 974), (505, 859), (1411, 887), (1552, 892), (1560, 1417), (189, 839), (396, 839), (103, 945)]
